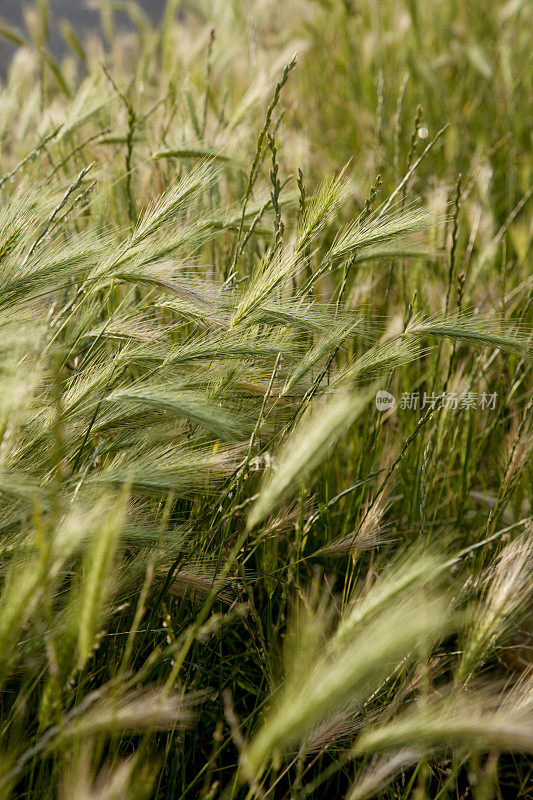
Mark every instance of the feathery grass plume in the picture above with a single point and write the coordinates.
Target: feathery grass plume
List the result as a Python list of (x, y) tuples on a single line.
[(397, 580), (311, 317), (333, 733), (346, 667), (337, 333), (87, 103), (48, 270), (376, 777), (185, 470), (19, 216), (305, 449), (352, 543), (484, 331), (111, 782), (151, 708), (123, 328), (156, 277), (186, 404), (262, 346), (80, 390), (372, 533), (22, 592), (379, 359), (477, 722), (518, 698), (96, 586), (271, 271), (37, 567), (153, 226), (197, 579), (31, 218), (20, 344), (52, 220), (185, 310), (320, 209), (508, 587), (205, 412), (383, 237), (19, 487), (164, 208), (107, 712)]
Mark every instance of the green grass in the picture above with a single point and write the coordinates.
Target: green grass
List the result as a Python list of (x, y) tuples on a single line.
[(225, 573)]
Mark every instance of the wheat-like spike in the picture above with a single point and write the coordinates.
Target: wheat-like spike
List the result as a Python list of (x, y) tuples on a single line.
[(484, 331), (508, 587), (96, 585), (458, 720), (304, 450), (345, 668)]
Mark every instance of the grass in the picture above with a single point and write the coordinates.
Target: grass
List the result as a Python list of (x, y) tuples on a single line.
[(225, 572)]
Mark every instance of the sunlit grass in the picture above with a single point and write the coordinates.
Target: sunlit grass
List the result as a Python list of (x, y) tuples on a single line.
[(225, 571)]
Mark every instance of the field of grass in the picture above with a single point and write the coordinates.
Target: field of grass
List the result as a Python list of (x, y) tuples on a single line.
[(265, 403)]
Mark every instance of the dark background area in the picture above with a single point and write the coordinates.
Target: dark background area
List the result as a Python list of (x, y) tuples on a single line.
[(79, 14)]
